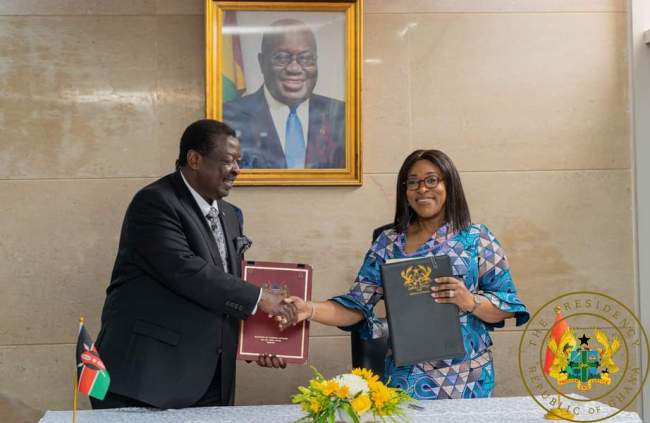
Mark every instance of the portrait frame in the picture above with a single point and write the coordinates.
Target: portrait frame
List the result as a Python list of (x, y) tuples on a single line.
[(349, 171)]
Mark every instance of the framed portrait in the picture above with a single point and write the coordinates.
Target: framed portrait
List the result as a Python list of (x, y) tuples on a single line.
[(286, 77)]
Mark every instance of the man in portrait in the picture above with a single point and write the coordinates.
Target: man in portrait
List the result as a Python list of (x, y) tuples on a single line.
[(284, 125)]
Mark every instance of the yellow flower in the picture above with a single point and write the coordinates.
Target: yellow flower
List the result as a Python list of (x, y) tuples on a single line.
[(330, 387), (374, 385), (342, 392), (381, 395), (327, 387), (314, 406), (361, 404), (366, 374)]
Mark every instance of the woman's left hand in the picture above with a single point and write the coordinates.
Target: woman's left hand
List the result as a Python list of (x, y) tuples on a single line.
[(454, 291)]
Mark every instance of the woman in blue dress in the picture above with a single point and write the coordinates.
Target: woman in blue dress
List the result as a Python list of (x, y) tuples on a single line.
[(432, 218)]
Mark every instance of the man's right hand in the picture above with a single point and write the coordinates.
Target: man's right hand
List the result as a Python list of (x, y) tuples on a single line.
[(304, 309), (274, 306)]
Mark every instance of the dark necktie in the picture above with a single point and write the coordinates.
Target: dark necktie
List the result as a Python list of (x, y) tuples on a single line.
[(295, 145), (219, 237)]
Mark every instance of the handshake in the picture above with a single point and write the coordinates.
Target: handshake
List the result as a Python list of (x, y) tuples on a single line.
[(286, 312)]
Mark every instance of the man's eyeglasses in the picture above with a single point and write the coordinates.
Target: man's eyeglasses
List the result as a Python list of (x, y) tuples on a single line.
[(282, 59), (227, 164), (430, 182)]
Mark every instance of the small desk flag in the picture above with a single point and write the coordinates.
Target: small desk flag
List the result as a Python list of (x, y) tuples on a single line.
[(92, 376)]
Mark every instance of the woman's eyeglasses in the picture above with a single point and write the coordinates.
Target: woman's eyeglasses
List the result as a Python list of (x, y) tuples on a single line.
[(430, 182)]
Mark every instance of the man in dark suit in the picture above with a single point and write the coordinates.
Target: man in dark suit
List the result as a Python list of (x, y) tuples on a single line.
[(284, 124), (173, 307)]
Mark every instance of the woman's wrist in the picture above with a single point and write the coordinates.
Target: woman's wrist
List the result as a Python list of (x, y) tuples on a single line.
[(313, 310), (472, 308)]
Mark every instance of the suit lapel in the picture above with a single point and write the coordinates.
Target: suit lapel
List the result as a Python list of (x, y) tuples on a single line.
[(188, 202), (321, 143), (316, 135), (264, 127)]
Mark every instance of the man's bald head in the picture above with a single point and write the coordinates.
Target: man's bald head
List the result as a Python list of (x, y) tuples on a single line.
[(288, 60)]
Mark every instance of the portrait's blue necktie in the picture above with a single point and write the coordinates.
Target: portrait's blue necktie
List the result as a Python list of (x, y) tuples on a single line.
[(295, 145)]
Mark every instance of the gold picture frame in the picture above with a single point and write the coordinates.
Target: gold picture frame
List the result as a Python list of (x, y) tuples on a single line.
[(308, 69)]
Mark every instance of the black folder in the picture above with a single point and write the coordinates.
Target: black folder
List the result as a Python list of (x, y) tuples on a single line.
[(420, 329)]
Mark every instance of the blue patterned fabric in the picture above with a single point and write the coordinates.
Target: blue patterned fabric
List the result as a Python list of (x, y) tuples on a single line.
[(479, 260)]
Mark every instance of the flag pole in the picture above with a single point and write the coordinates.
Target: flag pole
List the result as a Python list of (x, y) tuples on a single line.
[(558, 413), (74, 401), (76, 381)]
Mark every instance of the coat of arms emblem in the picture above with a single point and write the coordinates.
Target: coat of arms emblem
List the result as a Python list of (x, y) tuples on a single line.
[(417, 278), (580, 364)]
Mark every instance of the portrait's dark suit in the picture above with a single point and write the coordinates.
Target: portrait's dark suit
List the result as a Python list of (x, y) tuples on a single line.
[(261, 147), (171, 312)]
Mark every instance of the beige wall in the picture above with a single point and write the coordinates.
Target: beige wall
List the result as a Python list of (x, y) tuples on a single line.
[(528, 97)]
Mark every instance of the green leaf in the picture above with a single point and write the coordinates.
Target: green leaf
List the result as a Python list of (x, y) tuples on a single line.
[(317, 373), (348, 409)]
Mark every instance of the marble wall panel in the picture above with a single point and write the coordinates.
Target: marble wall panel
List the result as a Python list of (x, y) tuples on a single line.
[(386, 110), (13, 410), (505, 353), (180, 7), (57, 250), (195, 7), (180, 82), (523, 94), (493, 6), (41, 376), (77, 97), (562, 231), (77, 7)]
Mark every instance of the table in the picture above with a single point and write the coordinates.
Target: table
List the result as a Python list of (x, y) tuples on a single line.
[(484, 410)]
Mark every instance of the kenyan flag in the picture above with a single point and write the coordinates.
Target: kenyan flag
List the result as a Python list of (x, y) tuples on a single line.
[(92, 376)]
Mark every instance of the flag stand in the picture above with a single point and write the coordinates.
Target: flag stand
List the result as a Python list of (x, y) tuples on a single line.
[(76, 383)]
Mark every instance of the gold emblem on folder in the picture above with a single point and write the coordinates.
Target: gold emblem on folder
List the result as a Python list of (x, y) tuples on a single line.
[(276, 288), (417, 278)]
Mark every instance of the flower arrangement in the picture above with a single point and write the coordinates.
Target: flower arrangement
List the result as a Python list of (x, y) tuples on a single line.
[(357, 397)]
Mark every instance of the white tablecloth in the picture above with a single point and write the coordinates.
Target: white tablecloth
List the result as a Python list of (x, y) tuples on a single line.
[(490, 410)]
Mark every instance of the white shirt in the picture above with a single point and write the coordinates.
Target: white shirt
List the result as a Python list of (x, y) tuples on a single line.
[(280, 113), (200, 201), (205, 209)]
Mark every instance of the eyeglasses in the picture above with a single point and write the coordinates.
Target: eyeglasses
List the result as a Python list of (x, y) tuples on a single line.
[(430, 182), (227, 164), (282, 59)]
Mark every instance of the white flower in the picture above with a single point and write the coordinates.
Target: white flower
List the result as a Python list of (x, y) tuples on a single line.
[(354, 383)]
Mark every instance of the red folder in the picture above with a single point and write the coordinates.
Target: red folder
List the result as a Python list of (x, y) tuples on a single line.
[(260, 334)]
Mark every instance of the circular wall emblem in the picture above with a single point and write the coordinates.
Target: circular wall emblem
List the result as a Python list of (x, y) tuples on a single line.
[(583, 357)]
